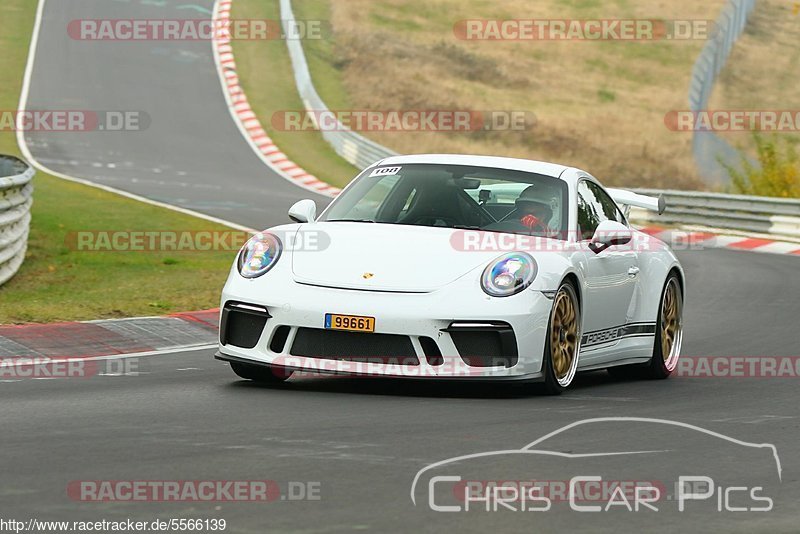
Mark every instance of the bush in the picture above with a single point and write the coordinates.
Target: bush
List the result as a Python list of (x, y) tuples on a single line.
[(778, 174)]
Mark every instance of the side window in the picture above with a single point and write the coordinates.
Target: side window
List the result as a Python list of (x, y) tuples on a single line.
[(594, 207), (610, 208), (590, 211)]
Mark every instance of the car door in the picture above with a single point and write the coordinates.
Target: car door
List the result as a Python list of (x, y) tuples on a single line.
[(611, 276)]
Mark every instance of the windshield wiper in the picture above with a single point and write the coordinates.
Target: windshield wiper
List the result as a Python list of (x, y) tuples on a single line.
[(351, 220)]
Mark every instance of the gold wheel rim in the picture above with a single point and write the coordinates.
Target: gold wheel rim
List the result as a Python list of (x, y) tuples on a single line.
[(670, 320), (563, 335)]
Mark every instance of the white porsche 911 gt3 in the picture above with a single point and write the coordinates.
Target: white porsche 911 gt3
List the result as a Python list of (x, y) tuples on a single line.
[(457, 267)]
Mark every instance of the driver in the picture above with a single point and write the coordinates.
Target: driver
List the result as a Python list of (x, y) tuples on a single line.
[(532, 211)]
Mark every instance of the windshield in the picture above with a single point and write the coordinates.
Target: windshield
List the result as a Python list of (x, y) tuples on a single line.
[(456, 196)]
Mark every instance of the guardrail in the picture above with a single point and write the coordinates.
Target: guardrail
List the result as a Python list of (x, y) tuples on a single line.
[(777, 217), (736, 213), (16, 198), (355, 148), (708, 147)]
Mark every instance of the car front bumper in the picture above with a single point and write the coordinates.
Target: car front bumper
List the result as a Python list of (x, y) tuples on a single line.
[(456, 332)]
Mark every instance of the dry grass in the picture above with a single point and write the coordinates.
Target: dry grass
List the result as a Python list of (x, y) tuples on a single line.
[(762, 70), (599, 105)]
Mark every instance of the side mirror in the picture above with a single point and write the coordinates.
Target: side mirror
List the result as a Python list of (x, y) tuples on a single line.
[(609, 234), (303, 211)]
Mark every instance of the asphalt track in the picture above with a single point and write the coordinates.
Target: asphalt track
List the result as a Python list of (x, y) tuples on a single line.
[(191, 153), (185, 416)]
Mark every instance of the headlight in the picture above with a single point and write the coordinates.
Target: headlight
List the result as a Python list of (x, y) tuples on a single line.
[(509, 274), (259, 254)]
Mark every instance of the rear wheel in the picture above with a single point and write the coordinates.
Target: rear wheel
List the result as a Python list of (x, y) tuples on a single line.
[(563, 341), (669, 330), (668, 338), (259, 373)]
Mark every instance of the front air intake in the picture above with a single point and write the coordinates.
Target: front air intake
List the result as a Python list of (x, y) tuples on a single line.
[(484, 344), (241, 324)]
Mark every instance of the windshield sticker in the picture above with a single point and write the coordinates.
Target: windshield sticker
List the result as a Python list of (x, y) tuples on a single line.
[(385, 171)]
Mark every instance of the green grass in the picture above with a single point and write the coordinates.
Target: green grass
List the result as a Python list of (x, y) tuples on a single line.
[(265, 73), (16, 22), (58, 283), (606, 95)]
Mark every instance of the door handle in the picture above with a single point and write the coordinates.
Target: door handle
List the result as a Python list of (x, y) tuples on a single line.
[(633, 271)]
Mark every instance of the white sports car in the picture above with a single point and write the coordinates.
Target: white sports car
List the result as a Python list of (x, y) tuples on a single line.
[(457, 267)]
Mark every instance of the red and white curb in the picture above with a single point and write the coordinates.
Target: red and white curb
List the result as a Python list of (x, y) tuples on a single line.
[(689, 239), (246, 119), (109, 337)]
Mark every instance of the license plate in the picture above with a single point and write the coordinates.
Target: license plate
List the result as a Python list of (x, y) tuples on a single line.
[(353, 323)]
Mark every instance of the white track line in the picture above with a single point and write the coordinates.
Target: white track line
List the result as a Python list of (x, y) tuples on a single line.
[(23, 361), (23, 146)]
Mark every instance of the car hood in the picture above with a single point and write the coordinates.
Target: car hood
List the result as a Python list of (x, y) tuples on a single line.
[(380, 257)]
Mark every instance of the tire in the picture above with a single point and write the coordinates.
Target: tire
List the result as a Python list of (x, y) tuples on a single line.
[(259, 373), (563, 343), (669, 327), (669, 330)]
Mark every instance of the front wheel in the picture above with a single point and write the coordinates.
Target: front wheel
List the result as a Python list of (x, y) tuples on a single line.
[(259, 373), (563, 341)]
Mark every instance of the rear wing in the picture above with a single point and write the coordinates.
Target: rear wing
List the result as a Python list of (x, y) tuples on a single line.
[(626, 199)]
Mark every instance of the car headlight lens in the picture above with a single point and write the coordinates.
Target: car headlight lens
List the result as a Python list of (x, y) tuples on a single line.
[(259, 254), (509, 274)]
